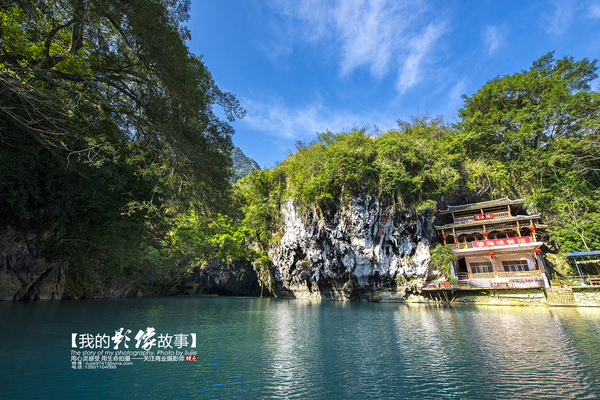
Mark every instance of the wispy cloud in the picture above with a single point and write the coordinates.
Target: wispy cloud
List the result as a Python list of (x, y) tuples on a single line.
[(594, 10), (455, 100), (493, 38), (412, 70), (561, 16), (381, 35), (280, 120), (371, 33), (306, 21)]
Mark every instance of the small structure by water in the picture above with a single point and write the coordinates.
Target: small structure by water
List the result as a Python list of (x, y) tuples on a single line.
[(496, 245), (588, 266)]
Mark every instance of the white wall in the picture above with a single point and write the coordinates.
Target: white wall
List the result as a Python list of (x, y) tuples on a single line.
[(498, 258)]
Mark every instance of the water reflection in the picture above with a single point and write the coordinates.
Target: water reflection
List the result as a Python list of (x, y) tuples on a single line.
[(305, 349)]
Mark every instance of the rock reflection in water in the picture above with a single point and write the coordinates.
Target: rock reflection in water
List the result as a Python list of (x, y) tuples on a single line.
[(254, 348)]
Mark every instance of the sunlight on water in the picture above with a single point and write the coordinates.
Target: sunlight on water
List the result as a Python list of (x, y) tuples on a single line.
[(252, 348)]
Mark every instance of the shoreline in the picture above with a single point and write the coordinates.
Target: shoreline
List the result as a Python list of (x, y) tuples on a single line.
[(573, 297)]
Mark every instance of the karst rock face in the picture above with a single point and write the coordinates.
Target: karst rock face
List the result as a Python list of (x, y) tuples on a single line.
[(358, 251), (26, 270)]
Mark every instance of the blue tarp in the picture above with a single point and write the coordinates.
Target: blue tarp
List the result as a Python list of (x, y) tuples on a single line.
[(583, 254)]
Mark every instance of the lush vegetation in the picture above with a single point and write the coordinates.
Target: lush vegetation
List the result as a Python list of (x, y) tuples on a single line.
[(108, 135), (441, 259), (411, 165), (541, 127), (113, 158), (533, 134), (242, 164)]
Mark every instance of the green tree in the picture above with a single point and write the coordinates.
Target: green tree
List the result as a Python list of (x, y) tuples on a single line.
[(535, 134), (516, 116), (261, 195), (442, 259), (107, 127)]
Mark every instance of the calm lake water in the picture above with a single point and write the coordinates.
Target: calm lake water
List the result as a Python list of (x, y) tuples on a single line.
[(250, 348)]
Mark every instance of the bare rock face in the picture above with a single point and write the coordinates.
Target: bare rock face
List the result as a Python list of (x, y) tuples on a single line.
[(359, 251), (25, 271)]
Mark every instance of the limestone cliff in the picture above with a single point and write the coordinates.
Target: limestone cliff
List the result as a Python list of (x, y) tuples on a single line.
[(356, 251)]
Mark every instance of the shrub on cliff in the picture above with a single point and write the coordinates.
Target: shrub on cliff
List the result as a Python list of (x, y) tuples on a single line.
[(534, 134), (409, 165)]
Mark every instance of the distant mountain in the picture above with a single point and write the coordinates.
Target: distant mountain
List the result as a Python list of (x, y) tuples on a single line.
[(242, 164)]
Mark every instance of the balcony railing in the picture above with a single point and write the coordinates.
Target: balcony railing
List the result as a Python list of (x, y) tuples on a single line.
[(500, 279), (519, 274), (481, 275), (471, 218), (501, 274)]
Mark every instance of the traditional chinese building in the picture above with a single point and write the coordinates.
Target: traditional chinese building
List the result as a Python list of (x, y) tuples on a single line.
[(496, 244)]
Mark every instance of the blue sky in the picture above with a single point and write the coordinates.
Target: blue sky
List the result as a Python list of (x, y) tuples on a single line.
[(302, 67)]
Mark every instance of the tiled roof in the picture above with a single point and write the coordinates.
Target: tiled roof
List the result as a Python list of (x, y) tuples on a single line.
[(483, 204)]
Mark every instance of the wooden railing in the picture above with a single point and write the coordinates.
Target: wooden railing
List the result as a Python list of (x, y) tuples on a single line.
[(593, 280), (470, 218), (519, 274), (466, 245), (576, 281), (502, 274), (462, 276), (482, 275)]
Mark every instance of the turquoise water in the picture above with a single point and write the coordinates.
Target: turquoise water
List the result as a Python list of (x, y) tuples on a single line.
[(251, 348)]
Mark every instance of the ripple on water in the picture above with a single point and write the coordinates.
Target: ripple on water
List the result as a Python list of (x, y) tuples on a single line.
[(269, 348)]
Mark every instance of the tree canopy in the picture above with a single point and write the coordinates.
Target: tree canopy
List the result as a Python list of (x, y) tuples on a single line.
[(515, 116), (542, 127), (107, 126), (112, 153)]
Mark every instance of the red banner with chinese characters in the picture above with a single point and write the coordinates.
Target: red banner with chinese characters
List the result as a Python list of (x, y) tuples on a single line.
[(482, 217), (501, 242)]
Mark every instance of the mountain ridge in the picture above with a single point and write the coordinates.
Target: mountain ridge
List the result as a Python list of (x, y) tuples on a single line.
[(242, 164)]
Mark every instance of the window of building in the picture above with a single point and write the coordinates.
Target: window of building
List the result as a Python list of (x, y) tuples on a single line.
[(481, 267), (515, 266)]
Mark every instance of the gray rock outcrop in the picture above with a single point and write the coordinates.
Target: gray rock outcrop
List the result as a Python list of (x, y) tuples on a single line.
[(358, 251), (26, 273)]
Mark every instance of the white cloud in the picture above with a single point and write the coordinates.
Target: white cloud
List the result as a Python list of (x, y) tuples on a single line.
[(277, 119), (494, 39), (372, 32), (381, 35), (412, 71), (561, 18)]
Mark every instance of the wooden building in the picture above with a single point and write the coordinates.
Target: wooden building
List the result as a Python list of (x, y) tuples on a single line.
[(495, 243)]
